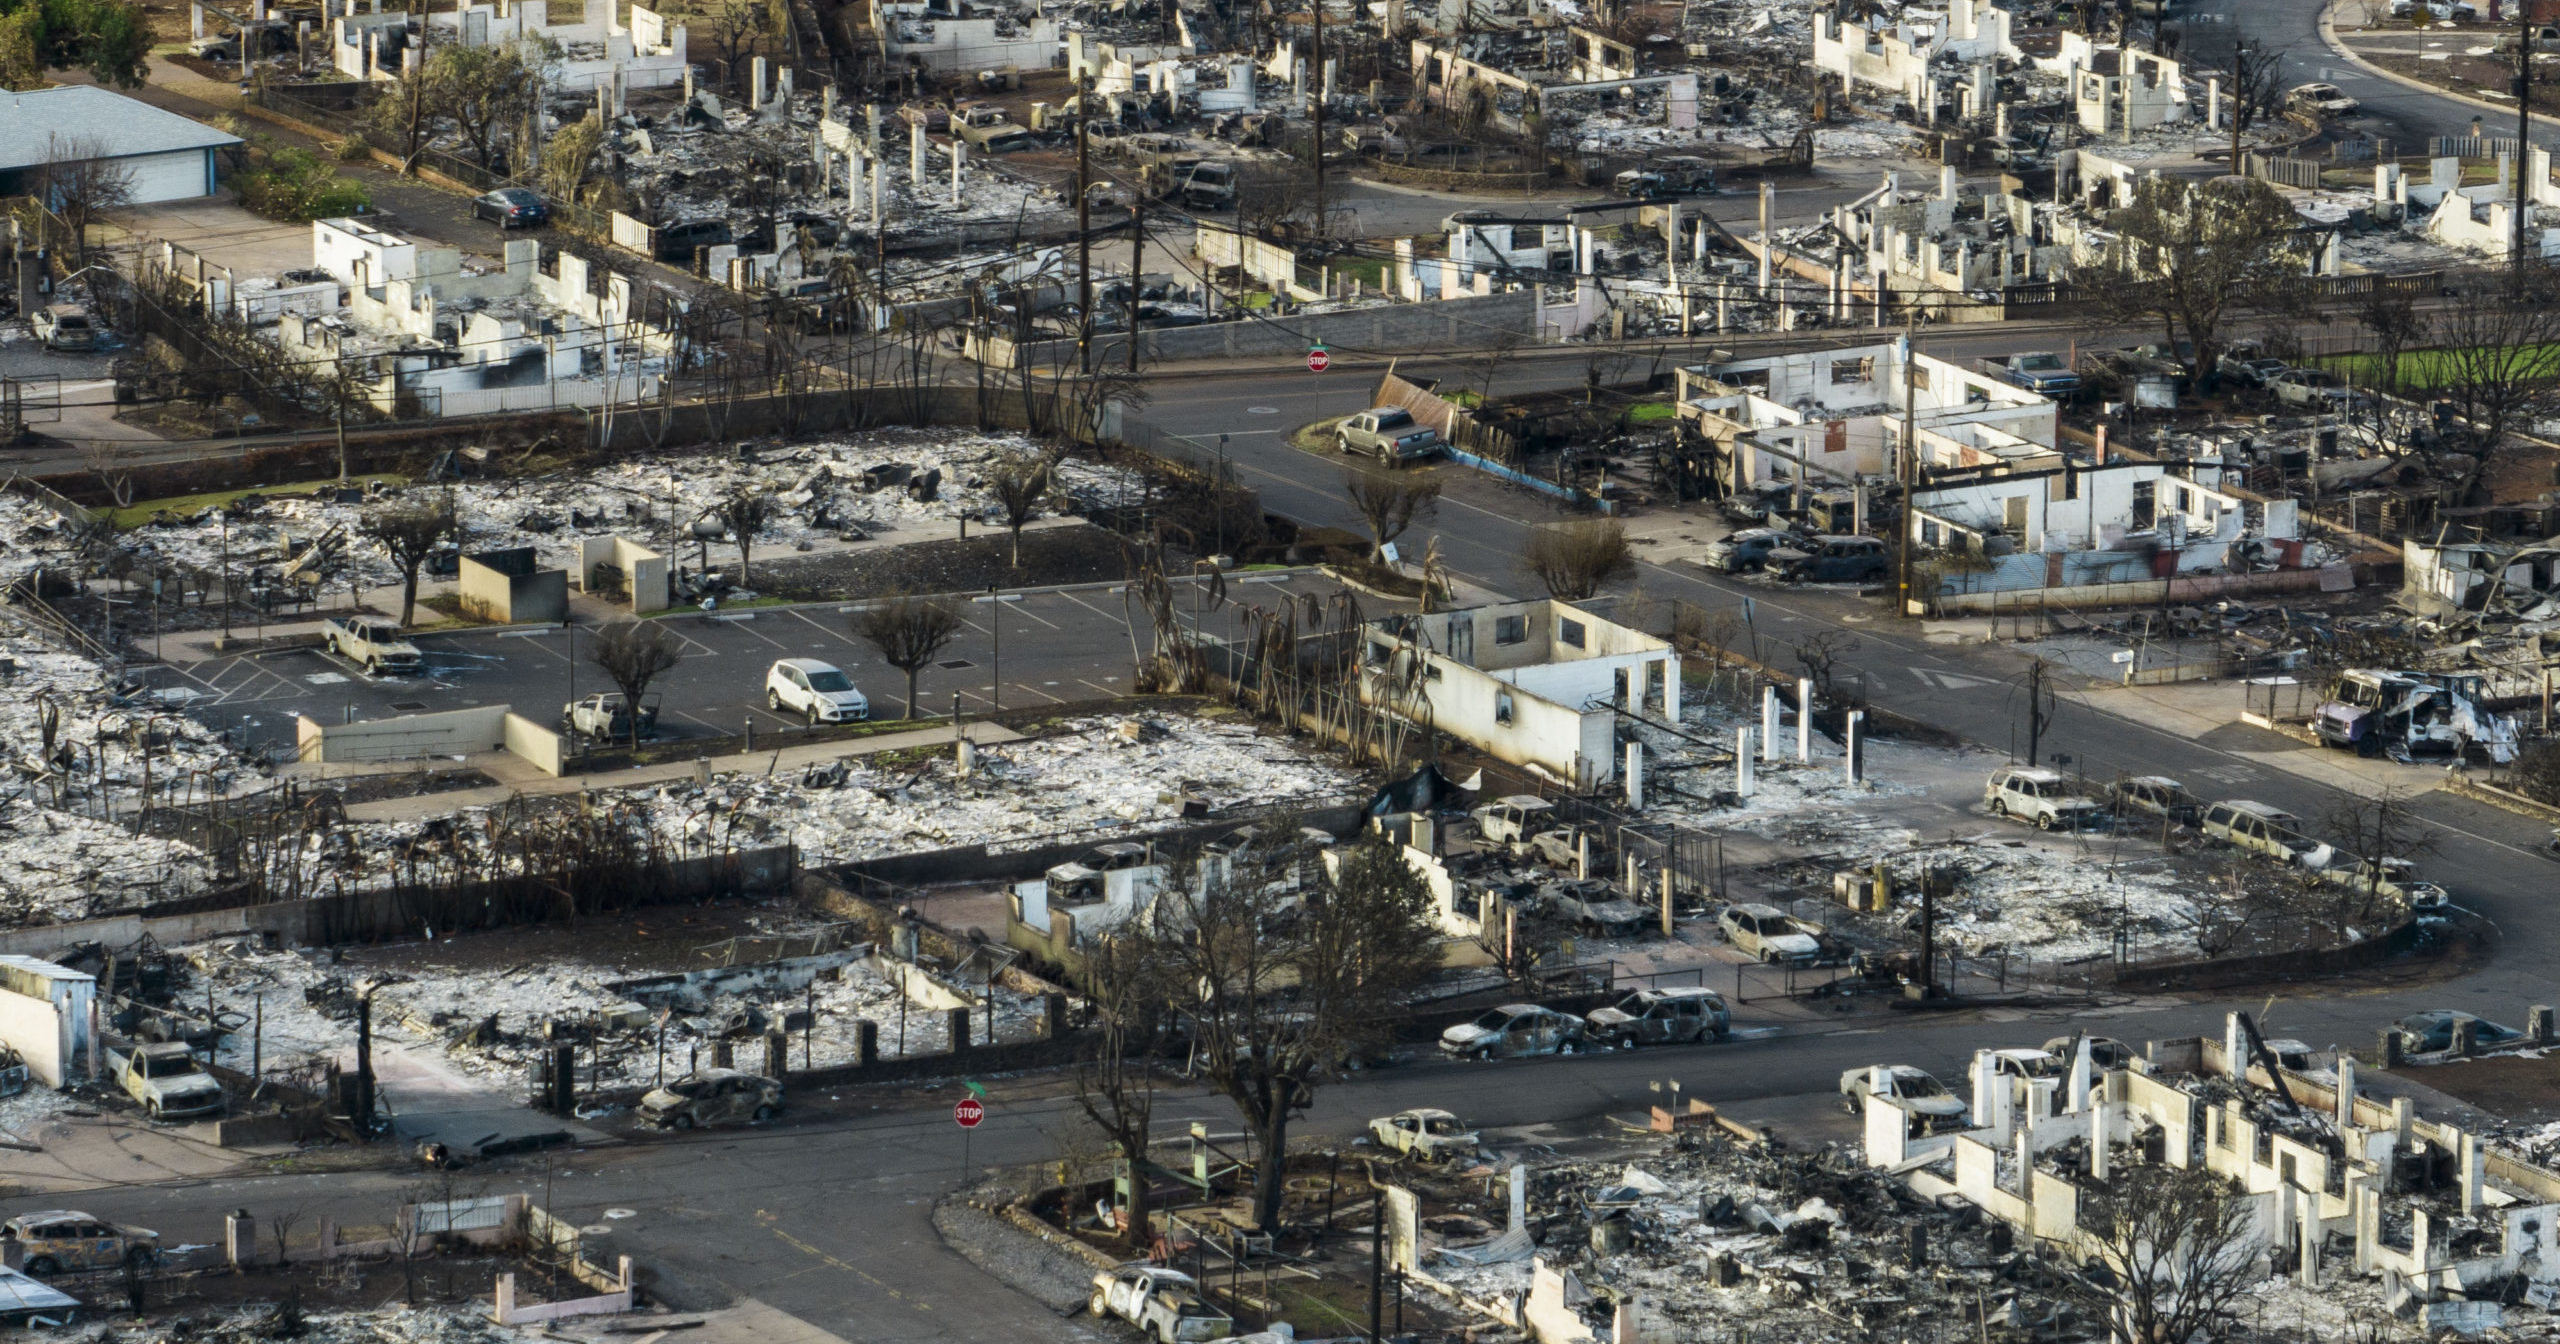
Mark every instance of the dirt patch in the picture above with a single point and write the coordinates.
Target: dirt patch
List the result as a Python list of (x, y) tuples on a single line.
[(2523, 1090), (1055, 555), (374, 788)]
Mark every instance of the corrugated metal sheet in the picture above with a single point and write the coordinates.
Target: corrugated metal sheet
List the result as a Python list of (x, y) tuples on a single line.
[(460, 1215), (21, 1293)]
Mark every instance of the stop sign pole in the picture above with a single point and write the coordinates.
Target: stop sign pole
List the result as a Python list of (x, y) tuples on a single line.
[(968, 1113), (1318, 358)]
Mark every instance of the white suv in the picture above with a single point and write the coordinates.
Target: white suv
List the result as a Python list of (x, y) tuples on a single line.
[(2039, 796), (821, 691)]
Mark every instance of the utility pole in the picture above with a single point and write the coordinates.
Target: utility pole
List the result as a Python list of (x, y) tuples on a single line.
[(2037, 714), (1084, 234), (1903, 458), (1137, 259), (1315, 76), (338, 380), (2524, 124)]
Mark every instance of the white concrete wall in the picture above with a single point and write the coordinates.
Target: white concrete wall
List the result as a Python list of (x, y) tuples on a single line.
[(36, 1031), (530, 740), (449, 732)]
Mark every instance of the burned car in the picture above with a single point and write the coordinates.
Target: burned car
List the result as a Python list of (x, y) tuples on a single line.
[(1427, 1135), (1662, 1017), (1767, 933), (63, 1239), (1593, 907), (2157, 796), (712, 1097), (1913, 1087), (2432, 1032), (1509, 821), (1512, 1031), (2105, 1052)]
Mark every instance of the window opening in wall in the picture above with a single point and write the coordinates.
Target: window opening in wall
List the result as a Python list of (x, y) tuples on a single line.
[(1502, 706), (1569, 632), (1510, 629)]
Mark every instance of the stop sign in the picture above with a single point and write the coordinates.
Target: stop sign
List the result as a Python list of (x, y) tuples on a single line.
[(968, 1113), (1319, 359)]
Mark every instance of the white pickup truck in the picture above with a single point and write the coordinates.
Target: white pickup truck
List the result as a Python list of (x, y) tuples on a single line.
[(166, 1079), (375, 646)]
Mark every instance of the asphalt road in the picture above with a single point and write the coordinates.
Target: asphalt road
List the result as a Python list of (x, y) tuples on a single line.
[(1054, 646), (2391, 110), (826, 1215)]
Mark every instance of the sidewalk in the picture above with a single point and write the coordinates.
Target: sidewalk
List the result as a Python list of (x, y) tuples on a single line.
[(2208, 712)]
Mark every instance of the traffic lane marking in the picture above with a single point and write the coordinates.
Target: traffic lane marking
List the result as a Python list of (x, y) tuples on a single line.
[(772, 1225)]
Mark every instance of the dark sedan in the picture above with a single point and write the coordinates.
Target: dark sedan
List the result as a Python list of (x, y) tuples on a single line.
[(2432, 1032), (511, 208)]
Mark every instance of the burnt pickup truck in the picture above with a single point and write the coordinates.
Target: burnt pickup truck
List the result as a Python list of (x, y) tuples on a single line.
[(167, 1081), (606, 717)]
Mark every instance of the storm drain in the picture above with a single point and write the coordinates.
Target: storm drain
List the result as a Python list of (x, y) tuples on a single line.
[(955, 664)]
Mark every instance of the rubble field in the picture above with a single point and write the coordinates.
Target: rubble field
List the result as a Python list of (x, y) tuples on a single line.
[(832, 493), (2041, 896), (483, 1001), (59, 858)]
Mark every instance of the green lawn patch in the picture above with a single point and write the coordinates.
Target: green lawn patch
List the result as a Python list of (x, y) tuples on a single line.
[(1652, 412), (726, 605), (2424, 368)]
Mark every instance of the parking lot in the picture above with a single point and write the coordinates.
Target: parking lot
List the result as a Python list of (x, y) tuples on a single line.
[(1055, 646)]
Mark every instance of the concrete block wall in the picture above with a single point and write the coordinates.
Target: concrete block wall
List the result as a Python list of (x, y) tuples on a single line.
[(1442, 324)]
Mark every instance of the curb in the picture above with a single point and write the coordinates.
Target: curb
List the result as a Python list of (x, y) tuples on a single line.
[(2329, 38), (2503, 799)]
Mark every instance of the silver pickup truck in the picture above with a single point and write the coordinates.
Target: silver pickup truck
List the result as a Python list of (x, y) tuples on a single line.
[(1387, 433)]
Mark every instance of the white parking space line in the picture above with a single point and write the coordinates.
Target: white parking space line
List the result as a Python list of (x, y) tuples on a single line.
[(1024, 609), (694, 647), (1020, 686), (1116, 619), (689, 714), (1104, 689), (751, 630), (823, 628)]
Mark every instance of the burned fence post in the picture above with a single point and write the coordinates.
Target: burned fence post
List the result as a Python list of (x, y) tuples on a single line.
[(2538, 1024), (777, 1053), (564, 1080), (866, 1042), (1053, 1007), (959, 1018), (2386, 1053)]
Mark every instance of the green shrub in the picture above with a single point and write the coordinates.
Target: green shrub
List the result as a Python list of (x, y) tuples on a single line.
[(295, 186)]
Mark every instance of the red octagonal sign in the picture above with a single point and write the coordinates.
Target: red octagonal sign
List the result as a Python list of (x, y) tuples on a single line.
[(1319, 359), (968, 1113)]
